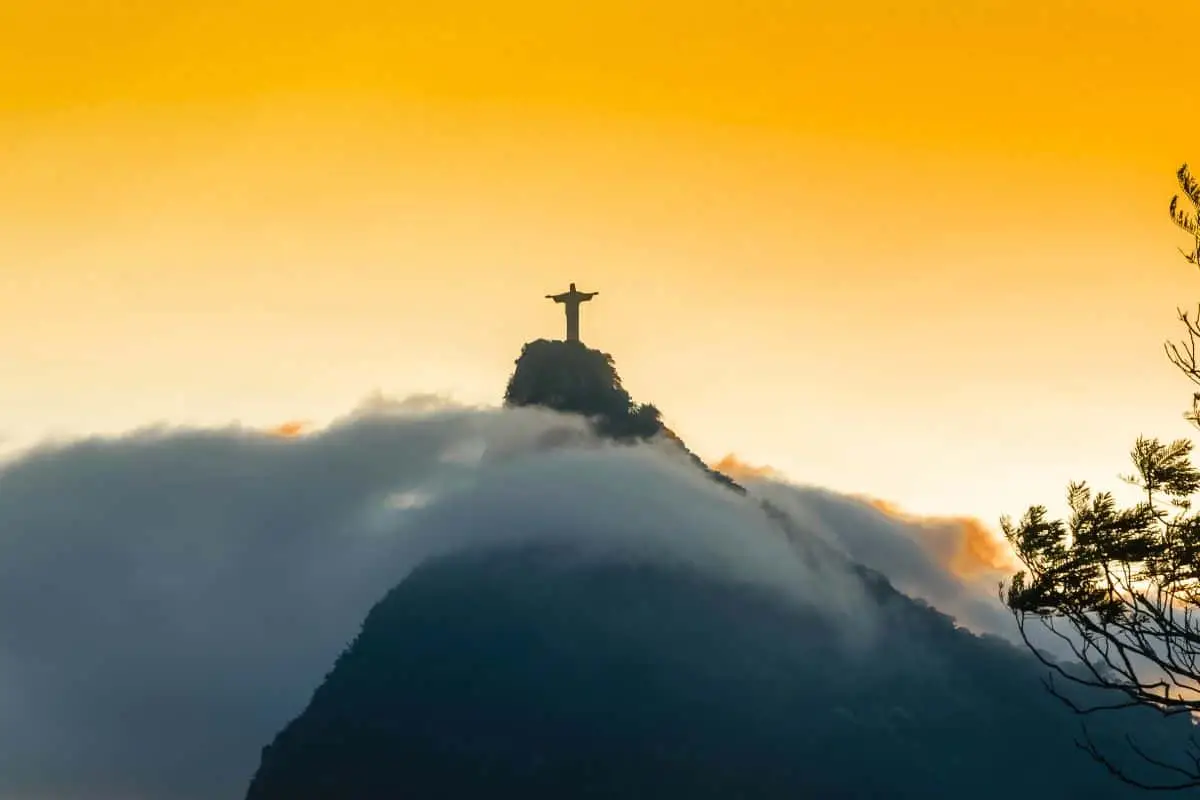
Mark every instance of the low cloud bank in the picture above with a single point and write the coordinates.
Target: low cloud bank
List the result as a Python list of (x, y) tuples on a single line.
[(169, 599)]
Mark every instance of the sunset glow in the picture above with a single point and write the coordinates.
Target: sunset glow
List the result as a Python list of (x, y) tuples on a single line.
[(914, 250)]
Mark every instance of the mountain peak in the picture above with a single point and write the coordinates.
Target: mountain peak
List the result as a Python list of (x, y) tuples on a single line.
[(568, 376)]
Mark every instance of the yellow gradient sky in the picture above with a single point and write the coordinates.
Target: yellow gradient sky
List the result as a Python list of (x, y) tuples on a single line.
[(917, 250)]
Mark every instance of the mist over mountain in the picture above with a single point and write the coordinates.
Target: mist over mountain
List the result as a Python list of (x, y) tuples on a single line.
[(518, 595), (558, 670)]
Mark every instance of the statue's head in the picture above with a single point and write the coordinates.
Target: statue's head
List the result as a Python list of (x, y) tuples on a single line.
[(572, 287)]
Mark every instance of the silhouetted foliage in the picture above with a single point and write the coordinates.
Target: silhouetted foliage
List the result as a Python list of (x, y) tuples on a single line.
[(568, 376), (535, 674), (1119, 586)]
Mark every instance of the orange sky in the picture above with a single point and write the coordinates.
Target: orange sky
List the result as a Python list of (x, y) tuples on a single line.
[(915, 250)]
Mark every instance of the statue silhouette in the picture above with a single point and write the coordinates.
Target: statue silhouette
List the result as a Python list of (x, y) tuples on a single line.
[(571, 300)]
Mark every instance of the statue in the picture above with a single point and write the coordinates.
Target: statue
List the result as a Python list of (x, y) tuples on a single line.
[(571, 299)]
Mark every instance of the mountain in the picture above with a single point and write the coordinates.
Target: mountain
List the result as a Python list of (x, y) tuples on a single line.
[(534, 672), (569, 376)]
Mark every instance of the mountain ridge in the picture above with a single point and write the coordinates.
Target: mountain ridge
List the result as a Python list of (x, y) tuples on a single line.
[(528, 671)]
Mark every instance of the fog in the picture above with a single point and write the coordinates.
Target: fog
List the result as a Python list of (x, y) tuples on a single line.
[(169, 599)]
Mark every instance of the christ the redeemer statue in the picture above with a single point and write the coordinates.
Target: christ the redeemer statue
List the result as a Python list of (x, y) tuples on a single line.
[(571, 299)]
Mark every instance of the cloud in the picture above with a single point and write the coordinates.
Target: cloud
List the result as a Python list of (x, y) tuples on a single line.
[(291, 428), (964, 545), (953, 563), (170, 598), (739, 470)]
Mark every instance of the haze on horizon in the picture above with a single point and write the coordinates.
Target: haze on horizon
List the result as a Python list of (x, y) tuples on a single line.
[(913, 250)]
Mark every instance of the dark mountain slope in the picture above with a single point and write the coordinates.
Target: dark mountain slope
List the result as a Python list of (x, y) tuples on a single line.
[(532, 674), (536, 673)]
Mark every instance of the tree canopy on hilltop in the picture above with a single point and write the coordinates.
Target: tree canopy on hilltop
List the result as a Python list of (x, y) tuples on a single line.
[(570, 377), (575, 379)]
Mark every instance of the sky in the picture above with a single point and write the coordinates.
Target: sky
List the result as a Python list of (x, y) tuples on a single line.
[(133, 660), (917, 251)]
